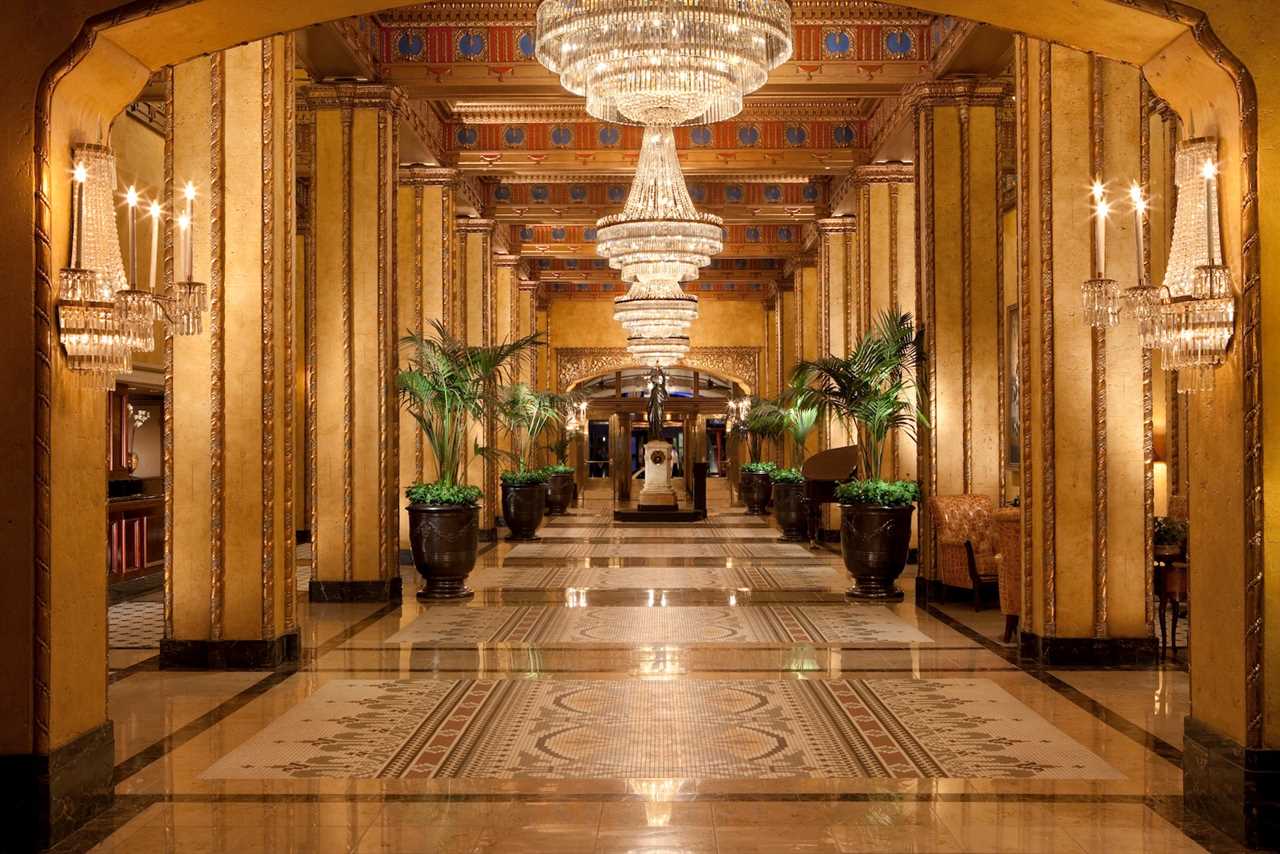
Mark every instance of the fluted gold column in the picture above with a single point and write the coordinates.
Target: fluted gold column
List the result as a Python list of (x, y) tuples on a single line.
[(1087, 491), (355, 493), (230, 533), (838, 298), (424, 290), (476, 323), (526, 310)]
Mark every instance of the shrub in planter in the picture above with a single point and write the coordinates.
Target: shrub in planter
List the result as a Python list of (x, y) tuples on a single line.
[(524, 502), (445, 387), (524, 413), (789, 505), (871, 391), (560, 483), (755, 486)]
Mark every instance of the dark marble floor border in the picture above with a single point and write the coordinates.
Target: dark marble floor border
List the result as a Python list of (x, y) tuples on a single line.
[(143, 666)]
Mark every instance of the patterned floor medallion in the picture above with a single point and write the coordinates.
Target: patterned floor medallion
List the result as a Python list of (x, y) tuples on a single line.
[(779, 578), (808, 624), (695, 550), (617, 729)]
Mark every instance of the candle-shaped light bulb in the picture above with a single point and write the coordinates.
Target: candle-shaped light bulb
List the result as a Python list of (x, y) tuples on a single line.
[(1139, 227), (1101, 209), (188, 251), (80, 175), (1210, 173), (131, 197), (154, 210)]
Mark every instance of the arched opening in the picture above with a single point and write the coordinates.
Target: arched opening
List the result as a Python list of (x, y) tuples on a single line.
[(1183, 61)]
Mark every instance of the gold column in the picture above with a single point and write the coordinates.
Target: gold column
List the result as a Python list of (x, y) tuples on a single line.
[(839, 298), (231, 542), (476, 315), (525, 318), (1087, 491), (355, 493), (957, 132), (424, 279)]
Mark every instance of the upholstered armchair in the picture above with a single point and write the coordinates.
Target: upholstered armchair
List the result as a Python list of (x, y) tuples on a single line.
[(1008, 521), (963, 540)]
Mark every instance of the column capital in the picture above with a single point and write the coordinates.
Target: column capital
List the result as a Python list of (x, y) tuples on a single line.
[(337, 96), (504, 260), (837, 225), (957, 92), (795, 263), (428, 176), (888, 172), (476, 225)]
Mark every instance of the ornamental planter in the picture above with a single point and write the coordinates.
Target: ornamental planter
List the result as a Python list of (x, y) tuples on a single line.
[(756, 488), (523, 508), (559, 493), (874, 542), (792, 512), (444, 539)]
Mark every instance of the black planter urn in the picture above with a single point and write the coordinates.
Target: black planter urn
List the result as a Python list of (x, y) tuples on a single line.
[(792, 511), (559, 493), (756, 488), (523, 508), (444, 539), (874, 542)]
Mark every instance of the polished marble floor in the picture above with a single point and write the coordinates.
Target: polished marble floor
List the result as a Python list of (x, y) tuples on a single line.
[(620, 688)]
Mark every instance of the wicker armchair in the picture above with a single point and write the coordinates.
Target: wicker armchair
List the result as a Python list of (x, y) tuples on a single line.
[(1009, 566), (962, 535)]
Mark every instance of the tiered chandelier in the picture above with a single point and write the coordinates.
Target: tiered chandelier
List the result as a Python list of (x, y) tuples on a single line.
[(1190, 318), (661, 63), (104, 313)]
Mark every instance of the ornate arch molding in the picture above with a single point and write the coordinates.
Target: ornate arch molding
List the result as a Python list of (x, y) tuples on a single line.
[(575, 364)]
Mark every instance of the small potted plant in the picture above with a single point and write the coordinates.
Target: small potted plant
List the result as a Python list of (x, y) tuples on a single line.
[(561, 483), (444, 389), (872, 391), (789, 504), (524, 414), (1169, 537), (763, 421)]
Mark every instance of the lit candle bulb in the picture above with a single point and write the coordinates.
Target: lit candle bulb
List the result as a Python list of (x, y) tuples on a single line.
[(1210, 173), (188, 253), (1101, 209), (1139, 217), (131, 198), (80, 175), (154, 210)]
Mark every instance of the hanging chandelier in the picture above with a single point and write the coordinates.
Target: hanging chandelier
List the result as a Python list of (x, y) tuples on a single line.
[(659, 235), (655, 310), (663, 62), (658, 352), (87, 324)]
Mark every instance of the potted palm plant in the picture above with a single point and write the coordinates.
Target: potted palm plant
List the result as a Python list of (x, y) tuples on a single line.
[(560, 481), (445, 388), (872, 391), (800, 416), (763, 421), (524, 413)]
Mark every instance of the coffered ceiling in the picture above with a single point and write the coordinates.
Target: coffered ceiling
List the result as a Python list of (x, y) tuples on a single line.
[(483, 104)]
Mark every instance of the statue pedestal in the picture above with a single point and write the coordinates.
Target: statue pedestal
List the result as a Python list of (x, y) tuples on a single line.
[(657, 493)]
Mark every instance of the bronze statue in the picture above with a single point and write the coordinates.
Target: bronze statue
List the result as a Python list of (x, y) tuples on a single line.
[(657, 402)]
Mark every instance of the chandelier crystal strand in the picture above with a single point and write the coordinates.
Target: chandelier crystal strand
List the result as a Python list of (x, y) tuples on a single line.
[(659, 352), (663, 62), (655, 310)]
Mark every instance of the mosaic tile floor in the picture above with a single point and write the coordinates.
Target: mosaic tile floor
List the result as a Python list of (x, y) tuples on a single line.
[(819, 624), (935, 728), (135, 625), (750, 577)]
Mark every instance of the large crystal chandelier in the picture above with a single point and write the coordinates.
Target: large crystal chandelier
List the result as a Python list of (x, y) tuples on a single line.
[(660, 352), (663, 62)]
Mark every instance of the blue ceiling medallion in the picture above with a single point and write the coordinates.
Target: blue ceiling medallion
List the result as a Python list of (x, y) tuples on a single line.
[(578, 193), (810, 192), (898, 43), (471, 45), (748, 135), (467, 136), (617, 192), (843, 135), (543, 263), (525, 45), (753, 234), (772, 193), (561, 136), (539, 192), (698, 192), (700, 135), (609, 136), (836, 42), (513, 135), (526, 233), (796, 134), (571, 263), (502, 193), (589, 234), (557, 233), (733, 193), (410, 45), (740, 263), (784, 234)]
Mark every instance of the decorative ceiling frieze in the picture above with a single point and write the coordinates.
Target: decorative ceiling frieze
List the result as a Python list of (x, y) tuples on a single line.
[(575, 364)]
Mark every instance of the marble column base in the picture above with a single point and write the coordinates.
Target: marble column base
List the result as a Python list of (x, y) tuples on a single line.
[(50, 796), (230, 654), (1095, 652), (386, 590), (1234, 788)]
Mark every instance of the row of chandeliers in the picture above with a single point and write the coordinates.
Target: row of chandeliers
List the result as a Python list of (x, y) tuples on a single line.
[(661, 64), (105, 315)]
